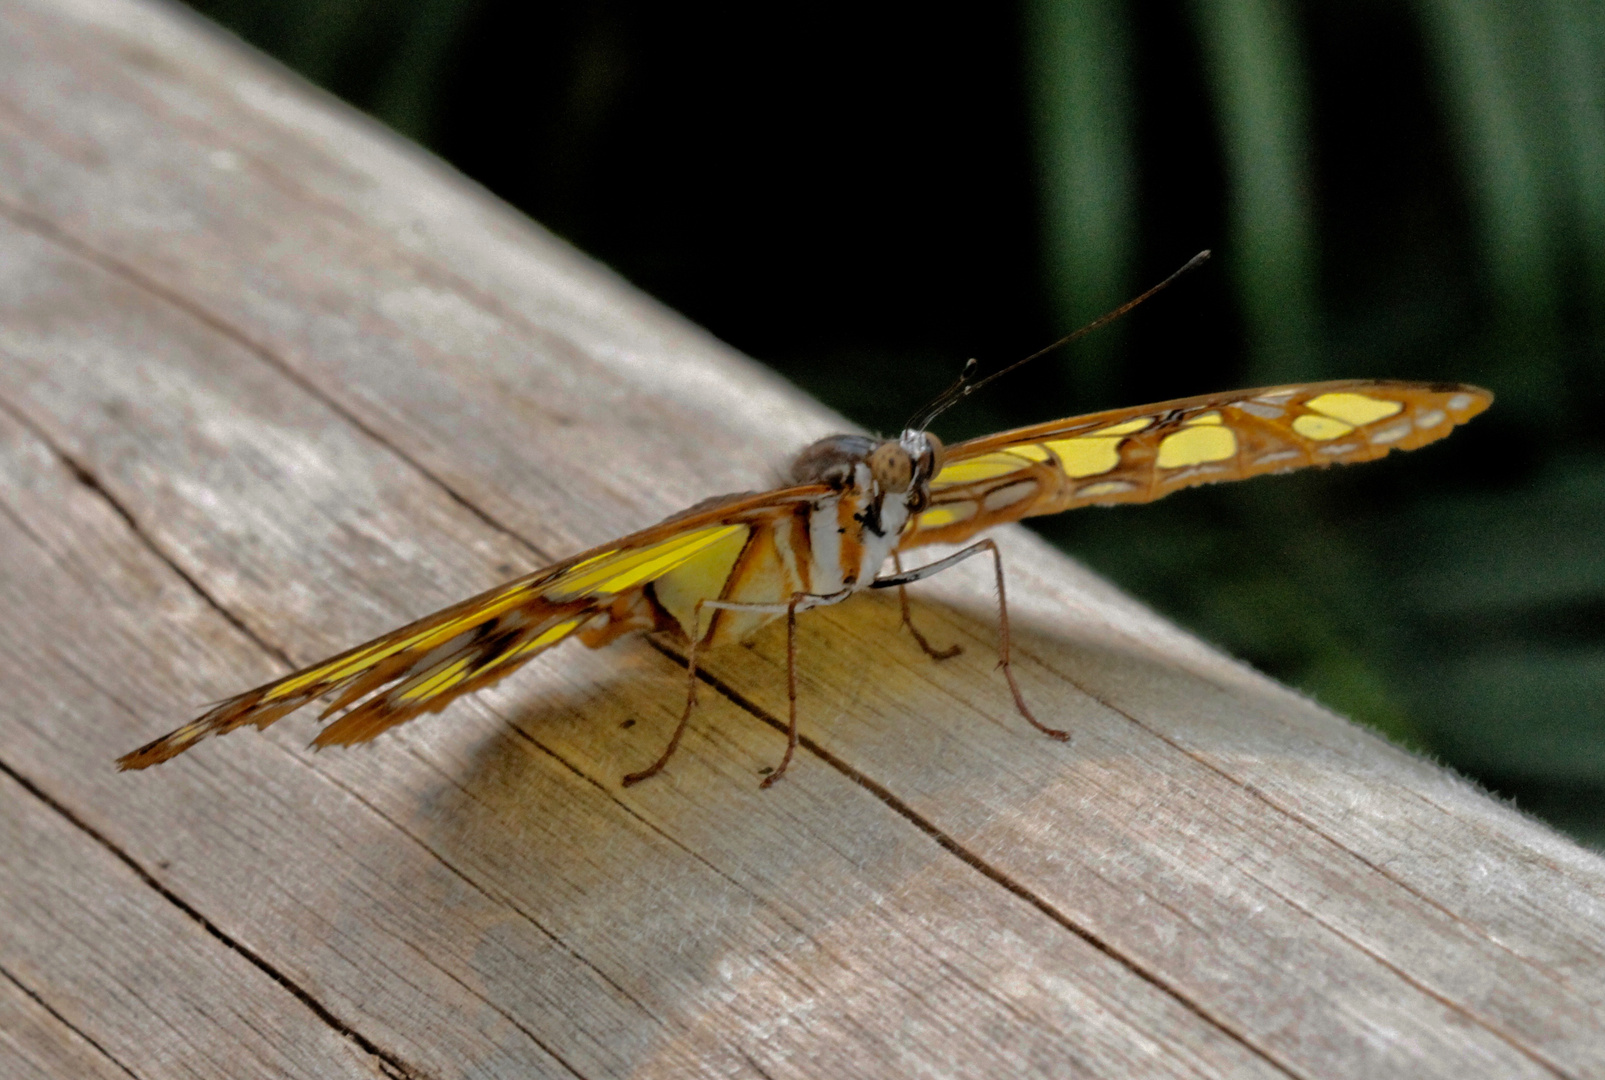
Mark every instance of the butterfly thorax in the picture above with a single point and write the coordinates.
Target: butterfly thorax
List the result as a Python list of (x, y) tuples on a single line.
[(877, 488), (831, 543)]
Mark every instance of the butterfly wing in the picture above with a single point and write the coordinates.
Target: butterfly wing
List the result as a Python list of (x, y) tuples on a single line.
[(423, 666), (1141, 454)]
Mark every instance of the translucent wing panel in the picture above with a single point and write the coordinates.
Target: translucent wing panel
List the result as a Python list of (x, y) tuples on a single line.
[(1137, 455)]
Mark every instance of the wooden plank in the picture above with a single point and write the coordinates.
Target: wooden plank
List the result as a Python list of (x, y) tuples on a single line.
[(662, 940), (245, 313), (35, 1044), (134, 986)]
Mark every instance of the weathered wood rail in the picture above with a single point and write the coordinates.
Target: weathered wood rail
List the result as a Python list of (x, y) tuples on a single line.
[(272, 382)]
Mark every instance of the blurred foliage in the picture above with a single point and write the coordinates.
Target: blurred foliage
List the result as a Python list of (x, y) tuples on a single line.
[(862, 195)]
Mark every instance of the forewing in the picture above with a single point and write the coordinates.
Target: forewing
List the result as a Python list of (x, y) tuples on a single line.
[(1141, 454), (424, 665)]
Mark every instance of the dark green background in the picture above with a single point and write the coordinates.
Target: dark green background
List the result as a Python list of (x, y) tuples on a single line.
[(865, 194)]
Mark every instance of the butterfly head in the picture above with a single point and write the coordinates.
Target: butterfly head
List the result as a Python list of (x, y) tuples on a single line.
[(899, 468), (906, 465)]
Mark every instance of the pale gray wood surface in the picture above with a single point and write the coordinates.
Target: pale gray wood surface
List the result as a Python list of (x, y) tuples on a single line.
[(272, 382)]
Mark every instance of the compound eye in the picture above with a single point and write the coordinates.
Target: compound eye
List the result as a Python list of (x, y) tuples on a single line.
[(892, 467)]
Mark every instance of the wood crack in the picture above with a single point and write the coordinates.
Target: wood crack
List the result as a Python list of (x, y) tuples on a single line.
[(494, 898), (63, 1021), (1317, 830), (182, 212), (378, 1053), (53, 233), (1253, 791), (88, 480), (753, 1064), (1419, 985), (499, 1011), (981, 866), (648, 824)]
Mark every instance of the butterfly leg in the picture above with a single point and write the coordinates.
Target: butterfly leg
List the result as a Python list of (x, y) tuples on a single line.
[(902, 579), (690, 704), (1003, 649), (791, 690), (799, 601), (902, 598)]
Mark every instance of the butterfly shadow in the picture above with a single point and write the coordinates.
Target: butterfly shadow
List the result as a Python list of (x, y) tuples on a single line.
[(676, 906)]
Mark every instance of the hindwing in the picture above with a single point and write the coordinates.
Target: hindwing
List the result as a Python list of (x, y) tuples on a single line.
[(1141, 454), (422, 666)]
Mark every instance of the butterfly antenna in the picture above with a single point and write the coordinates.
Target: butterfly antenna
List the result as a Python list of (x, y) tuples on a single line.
[(966, 384)]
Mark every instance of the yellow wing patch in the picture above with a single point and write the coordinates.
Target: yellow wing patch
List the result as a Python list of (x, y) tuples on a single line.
[(947, 514), (987, 466), (1130, 427), (1089, 455), (1320, 428), (1354, 409), (1196, 446)]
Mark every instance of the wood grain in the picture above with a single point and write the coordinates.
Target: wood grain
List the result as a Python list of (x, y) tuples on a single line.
[(35, 1044), (271, 382)]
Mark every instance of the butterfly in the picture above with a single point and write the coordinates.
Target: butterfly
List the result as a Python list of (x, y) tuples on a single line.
[(718, 571)]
